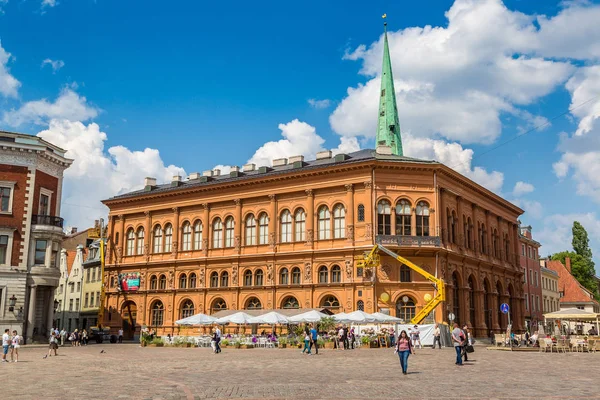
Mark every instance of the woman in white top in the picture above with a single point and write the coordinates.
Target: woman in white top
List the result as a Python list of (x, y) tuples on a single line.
[(14, 350)]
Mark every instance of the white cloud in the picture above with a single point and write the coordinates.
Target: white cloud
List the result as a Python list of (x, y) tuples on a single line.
[(49, 3), (531, 208), (319, 104), (69, 105), (556, 234), (454, 156), (456, 81), (95, 174), (55, 64), (3, 3), (9, 85), (522, 188)]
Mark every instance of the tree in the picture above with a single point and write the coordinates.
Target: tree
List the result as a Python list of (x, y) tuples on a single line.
[(581, 243)]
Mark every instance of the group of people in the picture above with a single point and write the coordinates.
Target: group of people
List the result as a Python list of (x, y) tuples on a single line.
[(13, 343), (310, 339), (345, 338)]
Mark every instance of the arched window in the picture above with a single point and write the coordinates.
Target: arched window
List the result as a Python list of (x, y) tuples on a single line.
[(217, 234), (300, 221), (229, 232), (162, 282), (263, 229), (192, 283), (290, 302), (384, 224), (296, 276), (168, 238), (361, 213), (403, 217), (218, 305), (360, 305), (157, 309), (339, 222), (130, 242), (471, 284), (284, 277), (253, 304), (214, 279), (405, 310), (286, 227), (140, 241), (405, 273), (182, 281), (224, 279), (336, 274), (258, 278), (248, 278), (422, 219), (153, 282), (198, 235), (455, 298), (324, 217), (186, 237), (250, 230), (330, 302), (187, 309), (323, 272), (157, 240)]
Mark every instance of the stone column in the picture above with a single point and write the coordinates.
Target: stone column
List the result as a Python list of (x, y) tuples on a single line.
[(147, 233), (488, 234), (413, 221), (460, 226), (494, 307), (48, 259), (237, 226), (31, 313), (310, 218), (464, 305), (350, 213), (206, 230), (515, 240), (273, 221), (444, 217), (370, 209), (121, 237)]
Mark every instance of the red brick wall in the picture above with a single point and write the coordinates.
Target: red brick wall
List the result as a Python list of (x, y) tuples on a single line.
[(530, 288), (43, 180), (18, 175)]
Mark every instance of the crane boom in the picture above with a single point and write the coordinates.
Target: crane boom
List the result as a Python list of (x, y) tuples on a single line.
[(371, 260)]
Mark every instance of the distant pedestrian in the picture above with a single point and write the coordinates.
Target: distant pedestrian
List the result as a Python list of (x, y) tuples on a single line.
[(217, 340), (120, 335), (437, 335), (313, 338), (16, 344), (63, 334), (84, 337), (306, 343), (5, 344), (416, 337), (404, 348), (345, 337), (53, 345), (467, 343), (458, 339)]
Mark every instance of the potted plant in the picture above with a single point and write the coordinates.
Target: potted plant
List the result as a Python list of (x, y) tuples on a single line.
[(157, 342), (364, 340), (237, 344), (283, 343), (225, 342)]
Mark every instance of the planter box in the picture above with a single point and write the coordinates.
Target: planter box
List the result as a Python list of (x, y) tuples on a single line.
[(248, 346), (374, 344), (237, 346), (283, 346)]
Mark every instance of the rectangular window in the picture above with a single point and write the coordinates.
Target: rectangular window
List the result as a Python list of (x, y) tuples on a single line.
[(78, 287), (531, 276), (86, 300), (91, 299), (40, 252), (72, 286), (76, 304), (5, 199), (527, 302), (97, 299), (538, 303), (525, 275), (71, 305), (522, 249), (536, 279), (87, 275), (44, 204), (4, 249)]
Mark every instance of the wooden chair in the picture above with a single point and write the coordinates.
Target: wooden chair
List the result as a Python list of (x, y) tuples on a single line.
[(561, 345), (499, 339)]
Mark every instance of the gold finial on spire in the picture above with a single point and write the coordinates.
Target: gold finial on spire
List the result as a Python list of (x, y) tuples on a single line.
[(384, 16)]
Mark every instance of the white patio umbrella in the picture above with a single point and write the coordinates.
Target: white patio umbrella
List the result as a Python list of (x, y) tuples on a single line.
[(341, 317), (360, 317), (271, 318), (385, 319), (198, 319), (309, 316), (239, 318)]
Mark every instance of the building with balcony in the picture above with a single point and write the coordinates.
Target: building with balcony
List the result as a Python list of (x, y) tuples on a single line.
[(31, 232), (289, 235), (532, 278)]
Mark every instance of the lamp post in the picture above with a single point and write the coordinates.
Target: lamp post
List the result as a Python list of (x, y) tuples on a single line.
[(12, 301)]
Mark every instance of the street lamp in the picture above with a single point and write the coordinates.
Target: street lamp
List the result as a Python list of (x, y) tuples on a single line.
[(12, 301)]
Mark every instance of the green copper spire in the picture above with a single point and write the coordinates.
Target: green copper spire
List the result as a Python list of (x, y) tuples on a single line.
[(388, 125)]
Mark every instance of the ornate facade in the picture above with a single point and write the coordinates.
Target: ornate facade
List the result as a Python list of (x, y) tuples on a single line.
[(289, 237)]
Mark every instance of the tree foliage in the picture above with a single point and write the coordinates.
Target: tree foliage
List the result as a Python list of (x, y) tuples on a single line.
[(581, 243)]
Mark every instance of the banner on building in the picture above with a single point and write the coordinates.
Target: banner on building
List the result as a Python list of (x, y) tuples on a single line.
[(130, 281)]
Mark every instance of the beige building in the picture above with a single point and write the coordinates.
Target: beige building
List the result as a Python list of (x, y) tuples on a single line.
[(92, 286), (550, 292)]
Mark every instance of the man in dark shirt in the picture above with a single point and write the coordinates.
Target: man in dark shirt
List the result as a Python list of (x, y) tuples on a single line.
[(345, 337)]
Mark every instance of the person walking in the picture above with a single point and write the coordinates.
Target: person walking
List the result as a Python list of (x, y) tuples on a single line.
[(345, 337), (53, 346), (313, 338), (404, 348), (458, 341), (437, 336), (5, 344), (217, 340), (416, 337), (120, 335), (467, 335), (16, 344), (84, 337), (63, 335), (306, 343)]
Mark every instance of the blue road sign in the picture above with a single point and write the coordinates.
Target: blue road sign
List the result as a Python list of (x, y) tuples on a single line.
[(504, 308)]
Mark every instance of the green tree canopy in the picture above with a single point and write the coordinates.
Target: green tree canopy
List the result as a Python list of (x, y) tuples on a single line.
[(581, 243)]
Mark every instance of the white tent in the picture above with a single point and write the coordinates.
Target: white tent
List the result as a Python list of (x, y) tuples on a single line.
[(198, 319), (386, 319), (271, 318), (340, 317), (309, 316), (359, 317), (239, 318)]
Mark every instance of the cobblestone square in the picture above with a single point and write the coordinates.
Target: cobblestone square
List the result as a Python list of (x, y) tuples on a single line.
[(129, 372)]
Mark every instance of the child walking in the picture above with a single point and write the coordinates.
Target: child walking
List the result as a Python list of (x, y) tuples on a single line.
[(16, 344)]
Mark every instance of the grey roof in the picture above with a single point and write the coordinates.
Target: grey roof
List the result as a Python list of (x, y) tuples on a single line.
[(355, 157)]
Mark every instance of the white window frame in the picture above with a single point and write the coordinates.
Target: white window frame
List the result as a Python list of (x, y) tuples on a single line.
[(49, 193), (286, 226), (11, 186), (8, 232)]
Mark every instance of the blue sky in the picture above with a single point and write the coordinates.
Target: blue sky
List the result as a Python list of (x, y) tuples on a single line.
[(164, 88)]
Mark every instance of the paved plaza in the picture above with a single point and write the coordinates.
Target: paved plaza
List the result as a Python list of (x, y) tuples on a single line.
[(129, 372)]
